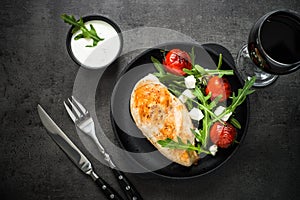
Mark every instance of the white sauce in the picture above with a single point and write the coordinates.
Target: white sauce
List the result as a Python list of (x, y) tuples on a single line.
[(101, 55)]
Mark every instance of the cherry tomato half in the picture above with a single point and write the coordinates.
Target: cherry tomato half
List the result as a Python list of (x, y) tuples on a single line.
[(176, 60), (218, 86), (223, 135)]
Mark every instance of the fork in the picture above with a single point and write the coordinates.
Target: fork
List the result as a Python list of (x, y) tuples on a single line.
[(83, 120)]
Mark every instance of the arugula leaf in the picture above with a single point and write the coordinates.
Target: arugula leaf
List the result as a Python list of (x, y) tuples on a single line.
[(77, 28), (220, 61), (242, 94), (199, 71), (198, 135), (189, 104), (79, 25), (166, 77), (69, 19), (79, 36), (169, 143), (158, 67), (235, 123), (239, 99), (193, 56), (176, 92), (206, 121)]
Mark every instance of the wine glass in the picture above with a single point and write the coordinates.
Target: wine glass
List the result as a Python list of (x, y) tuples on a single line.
[(273, 47)]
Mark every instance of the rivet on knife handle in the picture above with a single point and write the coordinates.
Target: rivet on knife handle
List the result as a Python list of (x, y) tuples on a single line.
[(109, 192), (128, 188)]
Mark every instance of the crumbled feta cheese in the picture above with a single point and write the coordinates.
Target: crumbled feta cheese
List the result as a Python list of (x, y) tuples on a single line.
[(182, 98), (188, 93), (196, 114), (226, 117), (213, 149), (219, 110), (190, 81)]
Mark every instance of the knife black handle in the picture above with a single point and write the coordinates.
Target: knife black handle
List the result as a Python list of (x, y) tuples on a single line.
[(129, 190), (107, 190)]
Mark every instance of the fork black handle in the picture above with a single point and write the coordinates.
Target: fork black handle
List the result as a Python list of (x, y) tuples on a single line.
[(129, 190), (107, 190)]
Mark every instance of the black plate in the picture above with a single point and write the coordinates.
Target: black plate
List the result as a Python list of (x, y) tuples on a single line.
[(131, 137)]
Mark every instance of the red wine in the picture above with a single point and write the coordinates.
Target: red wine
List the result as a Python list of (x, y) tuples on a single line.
[(274, 42), (280, 38)]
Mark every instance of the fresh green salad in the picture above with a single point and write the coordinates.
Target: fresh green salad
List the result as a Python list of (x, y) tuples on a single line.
[(206, 94)]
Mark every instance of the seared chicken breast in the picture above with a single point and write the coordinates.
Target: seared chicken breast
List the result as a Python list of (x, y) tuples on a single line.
[(160, 115)]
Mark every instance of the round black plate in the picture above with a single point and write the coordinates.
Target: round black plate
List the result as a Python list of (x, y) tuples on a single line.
[(131, 137)]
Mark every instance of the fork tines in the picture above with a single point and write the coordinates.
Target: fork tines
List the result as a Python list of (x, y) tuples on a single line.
[(79, 110)]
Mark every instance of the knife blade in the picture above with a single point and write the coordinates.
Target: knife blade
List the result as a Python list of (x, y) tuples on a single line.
[(75, 155)]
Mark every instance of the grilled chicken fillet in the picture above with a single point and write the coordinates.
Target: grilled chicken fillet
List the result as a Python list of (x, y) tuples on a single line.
[(160, 115)]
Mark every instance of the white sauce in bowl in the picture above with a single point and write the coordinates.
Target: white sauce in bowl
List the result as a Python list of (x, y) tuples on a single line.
[(106, 50)]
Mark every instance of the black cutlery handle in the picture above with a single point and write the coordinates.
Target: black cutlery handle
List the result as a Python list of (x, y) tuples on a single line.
[(129, 190), (109, 192)]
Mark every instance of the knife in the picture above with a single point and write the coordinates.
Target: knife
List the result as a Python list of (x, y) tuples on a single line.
[(78, 158)]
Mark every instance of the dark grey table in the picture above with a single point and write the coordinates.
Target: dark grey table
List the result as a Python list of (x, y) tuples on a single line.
[(36, 68)]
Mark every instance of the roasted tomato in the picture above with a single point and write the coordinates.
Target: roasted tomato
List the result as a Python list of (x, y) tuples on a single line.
[(223, 135), (218, 86), (176, 60)]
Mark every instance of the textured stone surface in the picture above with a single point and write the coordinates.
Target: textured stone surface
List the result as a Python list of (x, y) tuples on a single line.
[(35, 68)]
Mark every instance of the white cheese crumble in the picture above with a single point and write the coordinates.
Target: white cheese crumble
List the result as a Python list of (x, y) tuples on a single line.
[(186, 94), (213, 149), (182, 98), (219, 110), (190, 82), (196, 114)]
